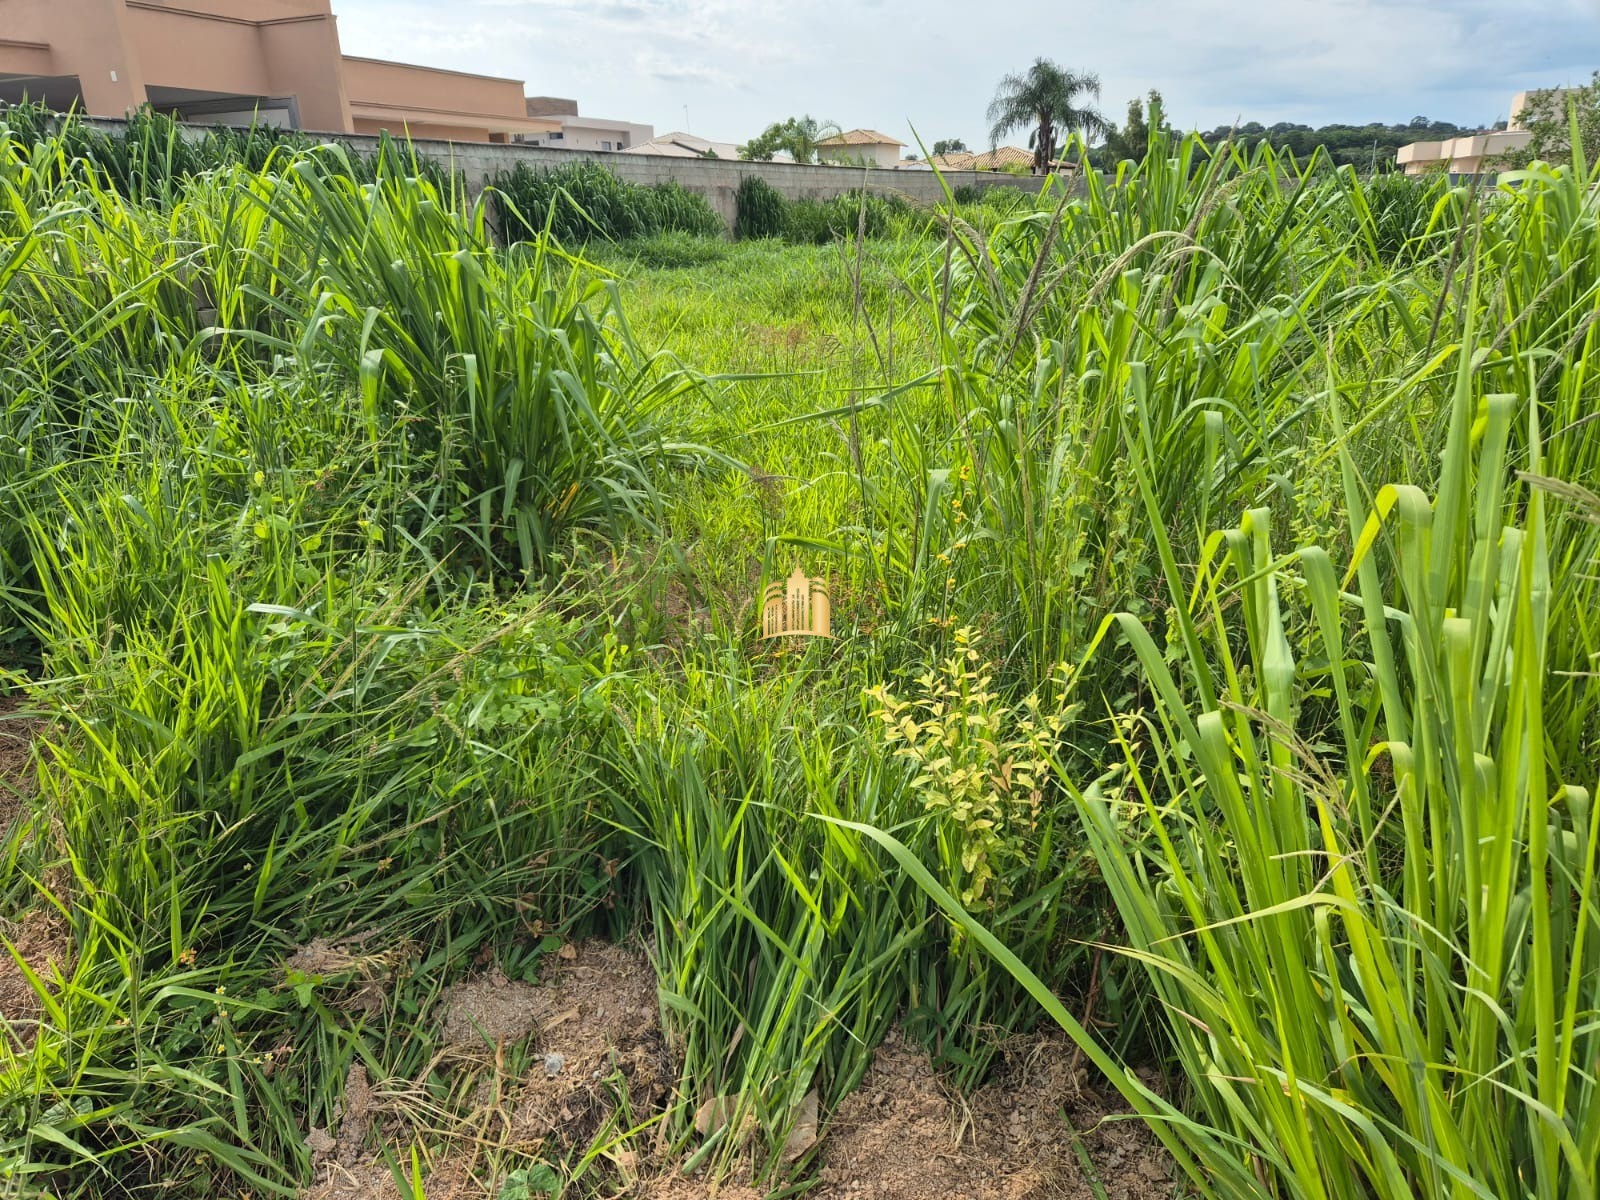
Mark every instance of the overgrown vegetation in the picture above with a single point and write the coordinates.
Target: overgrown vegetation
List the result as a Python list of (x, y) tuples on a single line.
[(584, 200), (1551, 118), (764, 213), (150, 156), (762, 210), (1213, 560)]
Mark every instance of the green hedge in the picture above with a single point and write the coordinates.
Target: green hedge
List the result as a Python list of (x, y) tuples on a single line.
[(763, 212), (584, 201), (150, 157)]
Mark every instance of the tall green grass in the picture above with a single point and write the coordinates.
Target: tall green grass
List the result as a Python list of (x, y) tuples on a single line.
[(1347, 818), (376, 579), (585, 201)]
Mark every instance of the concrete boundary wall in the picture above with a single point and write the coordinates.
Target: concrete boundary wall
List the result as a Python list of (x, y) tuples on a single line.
[(716, 179)]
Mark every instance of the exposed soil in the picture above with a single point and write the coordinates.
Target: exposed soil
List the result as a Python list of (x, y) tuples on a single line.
[(364, 976), (41, 934), (599, 1030), (902, 1135), (594, 1041), (369, 1181), (44, 941), (16, 759), (595, 1037), (489, 1010), (675, 1187)]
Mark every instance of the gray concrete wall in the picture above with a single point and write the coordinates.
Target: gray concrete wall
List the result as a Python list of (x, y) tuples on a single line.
[(716, 179)]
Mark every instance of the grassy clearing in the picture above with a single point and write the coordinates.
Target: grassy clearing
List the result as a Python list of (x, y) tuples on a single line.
[(1213, 560)]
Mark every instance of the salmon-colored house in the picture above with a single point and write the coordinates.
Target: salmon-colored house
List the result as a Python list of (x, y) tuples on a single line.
[(233, 61)]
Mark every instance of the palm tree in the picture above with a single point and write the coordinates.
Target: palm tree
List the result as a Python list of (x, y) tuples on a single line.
[(1046, 97), (798, 135), (804, 134)]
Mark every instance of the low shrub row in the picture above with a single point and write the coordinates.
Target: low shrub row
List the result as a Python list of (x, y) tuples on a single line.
[(584, 200), (765, 213), (150, 157)]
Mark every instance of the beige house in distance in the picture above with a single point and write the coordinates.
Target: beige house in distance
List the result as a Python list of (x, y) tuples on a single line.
[(1460, 156), (237, 61), (574, 132), (998, 159), (1473, 154), (685, 145), (860, 147)]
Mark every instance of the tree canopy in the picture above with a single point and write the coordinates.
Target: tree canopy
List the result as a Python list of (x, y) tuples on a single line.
[(1366, 147), (1132, 139), (797, 135), (1549, 117), (1052, 101)]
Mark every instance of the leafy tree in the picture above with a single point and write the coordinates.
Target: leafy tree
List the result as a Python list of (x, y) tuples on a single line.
[(1049, 99), (798, 135), (1549, 117), (1366, 147), (1132, 140), (949, 146)]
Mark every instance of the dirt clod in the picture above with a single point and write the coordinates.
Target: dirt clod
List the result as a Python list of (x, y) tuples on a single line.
[(598, 1015), (902, 1135), (489, 1008), (594, 1026), (359, 977)]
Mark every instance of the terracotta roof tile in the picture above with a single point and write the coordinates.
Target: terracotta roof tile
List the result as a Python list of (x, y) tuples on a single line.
[(860, 137)]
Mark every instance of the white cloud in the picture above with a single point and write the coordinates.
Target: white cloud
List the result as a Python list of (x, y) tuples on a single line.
[(932, 64)]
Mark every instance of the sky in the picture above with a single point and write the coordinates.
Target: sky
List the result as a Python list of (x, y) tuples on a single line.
[(724, 69)]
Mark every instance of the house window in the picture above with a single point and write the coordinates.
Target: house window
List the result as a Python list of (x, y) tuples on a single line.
[(605, 145), (557, 137)]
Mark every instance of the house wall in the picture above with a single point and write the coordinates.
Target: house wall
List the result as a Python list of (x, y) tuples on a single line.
[(238, 47), (375, 83), (179, 48), (877, 155), (425, 130), (303, 61), (594, 137), (593, 133), (86, 38), (551, 106), (245, 49), (1519, 102), (1470, 155)]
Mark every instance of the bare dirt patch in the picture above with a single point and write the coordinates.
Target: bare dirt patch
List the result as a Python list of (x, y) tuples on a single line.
[(903, 1135), (371, 1181), (40, 934), (598, 1027), (490, 1009), (43, 940), (676, 1187), (594, 1041), (587, 1039), (16, 758)]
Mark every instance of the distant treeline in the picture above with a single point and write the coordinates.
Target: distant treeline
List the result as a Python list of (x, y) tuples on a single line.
[(1362, 146)]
